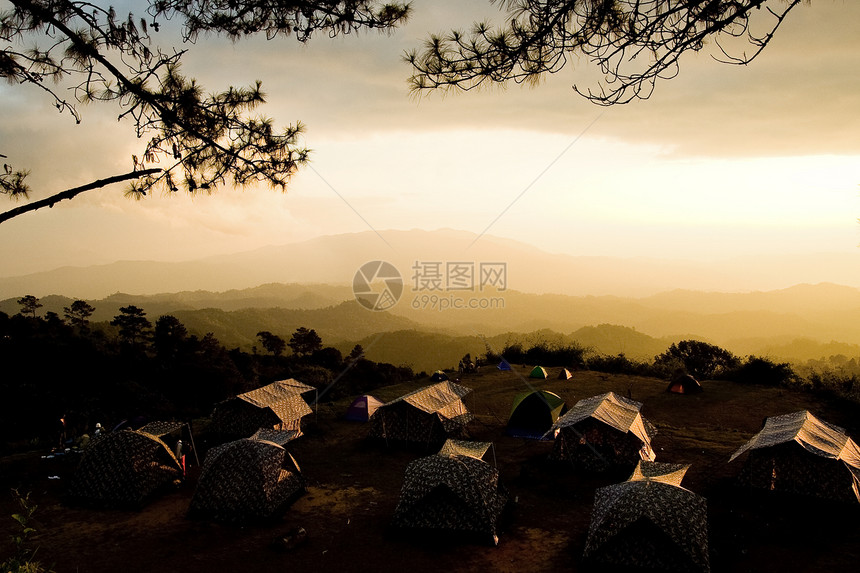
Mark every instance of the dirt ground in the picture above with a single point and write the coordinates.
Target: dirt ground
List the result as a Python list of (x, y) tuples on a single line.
[(354, 487)]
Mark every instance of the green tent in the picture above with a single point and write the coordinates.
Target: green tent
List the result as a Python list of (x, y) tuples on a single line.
[(538, 372), (534, 413)]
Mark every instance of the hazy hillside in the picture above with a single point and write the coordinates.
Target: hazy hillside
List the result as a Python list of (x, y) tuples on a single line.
[(799, 323), (417, 349), (801, 299), (289, 296), (334, 260), (433, 351), (345, 322)]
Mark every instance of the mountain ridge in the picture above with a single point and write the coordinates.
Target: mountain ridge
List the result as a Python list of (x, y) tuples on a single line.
[(334, 259), (787, 324)]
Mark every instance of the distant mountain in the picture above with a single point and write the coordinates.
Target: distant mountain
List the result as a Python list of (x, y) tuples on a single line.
[(345, 322), (802, 299), (288, 296), (798, 323), (335, 259)]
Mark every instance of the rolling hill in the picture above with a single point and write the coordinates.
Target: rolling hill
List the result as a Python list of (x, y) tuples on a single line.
[(796, 324)]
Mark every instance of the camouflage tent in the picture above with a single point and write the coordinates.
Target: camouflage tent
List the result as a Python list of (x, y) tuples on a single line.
[(280, 437), (426, 416), (475, 450), (123, 469), (799, 453), (649, 522), (162, 428), (169, 432), (451, 493), (279, 405), (246, 480), (602, 433)]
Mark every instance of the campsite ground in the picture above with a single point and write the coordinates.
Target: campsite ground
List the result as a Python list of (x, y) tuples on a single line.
[(354, 486)]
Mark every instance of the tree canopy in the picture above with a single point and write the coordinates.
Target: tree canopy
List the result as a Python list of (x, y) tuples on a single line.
[(29, 305), (134, 327), (193, 141), (272, 342), (304, 341), (632, 42), (79, 313), (700, 359)]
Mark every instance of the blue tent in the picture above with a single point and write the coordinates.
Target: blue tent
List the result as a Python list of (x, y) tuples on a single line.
[(503, 365)]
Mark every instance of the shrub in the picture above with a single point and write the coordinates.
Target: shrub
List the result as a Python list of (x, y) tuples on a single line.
[(543, 353), (619, 364), (757, 370), (700, 359), (828, 380)]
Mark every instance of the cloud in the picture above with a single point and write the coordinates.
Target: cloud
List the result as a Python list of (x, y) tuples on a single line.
[(456, 160), (799, 98), (796, 98)]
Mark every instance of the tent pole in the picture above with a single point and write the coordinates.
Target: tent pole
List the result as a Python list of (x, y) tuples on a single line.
[(191, 435)]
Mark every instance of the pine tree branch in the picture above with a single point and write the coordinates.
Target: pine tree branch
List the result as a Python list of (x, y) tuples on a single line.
[(71, 193)]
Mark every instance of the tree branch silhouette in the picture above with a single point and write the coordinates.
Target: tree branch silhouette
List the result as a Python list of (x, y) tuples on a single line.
[(206, 140), (634, 43), (72, 193)]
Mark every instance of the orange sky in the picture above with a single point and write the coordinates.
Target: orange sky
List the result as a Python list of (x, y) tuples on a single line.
[(721, 161)]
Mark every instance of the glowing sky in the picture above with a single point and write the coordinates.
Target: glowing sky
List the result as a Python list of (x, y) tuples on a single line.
[(721, 161)]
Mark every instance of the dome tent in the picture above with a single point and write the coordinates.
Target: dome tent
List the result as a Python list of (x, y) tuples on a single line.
[(684, 384), (538, 372), (362, 408), (245, 480), (649, 522), (278, 405), (124, 469), (426, 416), (451, 493), (470, 448), (603, 432), (802, 454), (533, 414)]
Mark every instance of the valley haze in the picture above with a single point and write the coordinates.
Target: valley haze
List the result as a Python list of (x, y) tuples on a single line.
[(789, 308), (334, 259)]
